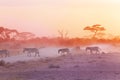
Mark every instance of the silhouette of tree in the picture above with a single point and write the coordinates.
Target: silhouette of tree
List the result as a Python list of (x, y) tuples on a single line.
[(25, 35), (63, 35), (7, 34), (2, 34), (95, 29), (10, 33), (14, 33)]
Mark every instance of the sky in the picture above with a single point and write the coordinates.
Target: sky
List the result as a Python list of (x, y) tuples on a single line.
[(46, 17)]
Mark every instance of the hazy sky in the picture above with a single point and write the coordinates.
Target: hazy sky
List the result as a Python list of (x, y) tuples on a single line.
[(46, 17)]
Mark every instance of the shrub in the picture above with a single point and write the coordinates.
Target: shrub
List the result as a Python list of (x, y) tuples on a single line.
[(54, 66), (2, 63)]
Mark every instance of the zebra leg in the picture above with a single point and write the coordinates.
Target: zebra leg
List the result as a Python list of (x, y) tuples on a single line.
[(27, 54), (97, 52), (2, 55), (35, 54), (6, 55), (38, 55), (30, 54)]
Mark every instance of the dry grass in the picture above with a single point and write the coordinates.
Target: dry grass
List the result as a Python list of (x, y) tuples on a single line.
[(11, 78)]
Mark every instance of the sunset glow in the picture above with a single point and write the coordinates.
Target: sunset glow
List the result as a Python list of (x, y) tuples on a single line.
[(46, 17)]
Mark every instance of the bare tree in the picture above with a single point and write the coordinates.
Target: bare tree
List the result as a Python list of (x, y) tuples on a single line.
[(95, 29), (63, 34)]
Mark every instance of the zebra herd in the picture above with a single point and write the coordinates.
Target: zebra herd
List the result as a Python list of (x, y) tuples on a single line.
[(31, 50), (91, 50), (62, 51), (28, 51), (4, 52)]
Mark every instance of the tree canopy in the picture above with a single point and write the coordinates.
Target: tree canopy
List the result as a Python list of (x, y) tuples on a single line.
[(9, 34), (95, 29)]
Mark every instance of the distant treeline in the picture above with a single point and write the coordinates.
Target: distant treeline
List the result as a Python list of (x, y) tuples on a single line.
[(44, 41), (27, 38)]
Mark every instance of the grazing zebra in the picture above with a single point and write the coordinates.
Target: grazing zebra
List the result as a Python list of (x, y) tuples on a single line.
[(31, 50), (63, 51), (91, 49), (4, 52)]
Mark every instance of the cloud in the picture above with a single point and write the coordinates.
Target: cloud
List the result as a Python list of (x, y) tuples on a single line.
[(18, 2), (55, 2), (33, 2)]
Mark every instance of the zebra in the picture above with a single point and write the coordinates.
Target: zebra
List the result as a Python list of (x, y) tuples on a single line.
[(63, 51), (4, 52), (31, 50), (91, 49)]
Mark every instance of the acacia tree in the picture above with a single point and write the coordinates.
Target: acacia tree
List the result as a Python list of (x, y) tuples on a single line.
[(7, 34), (10, 34), (2, 33), (25, 35), (95, 29)]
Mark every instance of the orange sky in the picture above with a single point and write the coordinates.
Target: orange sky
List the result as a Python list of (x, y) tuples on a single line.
[(45, 17)]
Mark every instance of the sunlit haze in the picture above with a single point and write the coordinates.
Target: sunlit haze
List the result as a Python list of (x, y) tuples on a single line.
[(46, 17)]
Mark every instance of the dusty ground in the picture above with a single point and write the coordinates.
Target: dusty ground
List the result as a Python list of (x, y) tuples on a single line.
[(51, 66), (75, 67)]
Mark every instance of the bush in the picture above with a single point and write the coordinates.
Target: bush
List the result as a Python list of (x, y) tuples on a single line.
[(54, 66), (2, 63)]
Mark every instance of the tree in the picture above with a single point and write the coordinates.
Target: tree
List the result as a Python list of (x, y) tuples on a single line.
[(63, 35), (95, 29), (10, 33), (2, 33), (7, 34), (25, 35)]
